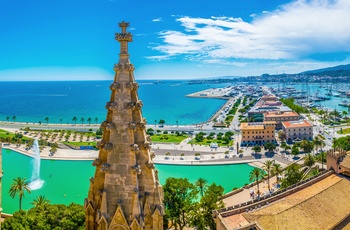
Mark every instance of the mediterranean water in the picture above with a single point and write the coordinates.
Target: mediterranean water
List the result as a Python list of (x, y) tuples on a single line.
[(68, 181), (35, 101), (61, 101)]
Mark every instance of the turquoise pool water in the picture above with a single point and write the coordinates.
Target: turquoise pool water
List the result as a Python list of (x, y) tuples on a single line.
[(68, 181)]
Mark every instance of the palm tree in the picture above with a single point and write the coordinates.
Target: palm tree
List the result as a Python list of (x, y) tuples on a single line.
[(7, 119), (306, 146), (201, 183), (40, 201), (256, 175), (61, 121), (14, 119), (96, 120), (19, 186), (268, 168), (89, 120), (82, 120), (323, 156), (276, 170), (47, 120), (318, 142), (309, 160), (75, 120)]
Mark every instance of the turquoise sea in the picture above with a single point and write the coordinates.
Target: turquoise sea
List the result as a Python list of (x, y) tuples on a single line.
[(34, 101), (68, 181)]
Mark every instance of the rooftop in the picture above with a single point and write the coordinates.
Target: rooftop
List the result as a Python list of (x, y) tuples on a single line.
[(281, 114), (323, 205), (296, 124), (256, 125)]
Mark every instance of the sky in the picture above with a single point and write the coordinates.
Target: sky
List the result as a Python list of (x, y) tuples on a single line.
[(75, 39)]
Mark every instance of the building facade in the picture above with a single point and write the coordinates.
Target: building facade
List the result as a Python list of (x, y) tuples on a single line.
[(280, 117), (125, 192), (297, 130), (257, 133)]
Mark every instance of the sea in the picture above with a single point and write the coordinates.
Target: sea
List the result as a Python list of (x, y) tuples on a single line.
[(60, 101)]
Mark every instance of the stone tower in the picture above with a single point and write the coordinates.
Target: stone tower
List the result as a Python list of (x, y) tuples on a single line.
[(125, 192)]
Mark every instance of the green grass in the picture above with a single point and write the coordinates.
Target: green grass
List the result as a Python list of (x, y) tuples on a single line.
[(168, 138), (207, 142), (4, 134), (78, 144), (345, 131)]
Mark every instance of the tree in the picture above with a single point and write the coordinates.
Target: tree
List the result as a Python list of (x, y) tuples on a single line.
[(14, 119), (61, 121), (269, 146), (82, 120), (210, 201), (47, 120), (89, 120), (7, 119), (96, 120), (306, 146), (161, 123), (268, 166), (318, 142), (179, 195), (322, 156), (40, 201), (309, 160), (295, 150), (256, 174), (19, 186), (201, 183), (277, 169), (57, 216), (75, 120), (257, 149), (342, 142), (281, 135), (292, 175)]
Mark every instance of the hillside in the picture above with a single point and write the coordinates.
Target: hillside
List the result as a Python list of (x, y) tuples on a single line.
[(340, 70)]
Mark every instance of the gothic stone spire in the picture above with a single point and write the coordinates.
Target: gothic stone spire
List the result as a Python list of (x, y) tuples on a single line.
[(125, 192)]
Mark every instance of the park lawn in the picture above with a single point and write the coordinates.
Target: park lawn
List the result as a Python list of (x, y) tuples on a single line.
[(345, 131), (80, 143), (207, 142), (4, 134), (168, 138)]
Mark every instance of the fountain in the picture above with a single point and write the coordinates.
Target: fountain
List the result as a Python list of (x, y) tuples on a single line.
[(35, 181)]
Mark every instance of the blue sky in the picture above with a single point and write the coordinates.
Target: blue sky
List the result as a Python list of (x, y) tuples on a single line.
[(74, 39)]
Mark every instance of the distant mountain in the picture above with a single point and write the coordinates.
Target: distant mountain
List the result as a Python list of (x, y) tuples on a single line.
[(340, 70)]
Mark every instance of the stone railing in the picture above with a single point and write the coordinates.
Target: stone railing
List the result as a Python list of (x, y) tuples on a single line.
[(266, 200)]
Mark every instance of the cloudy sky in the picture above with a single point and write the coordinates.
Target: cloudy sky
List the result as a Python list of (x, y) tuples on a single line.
[(74, 39)]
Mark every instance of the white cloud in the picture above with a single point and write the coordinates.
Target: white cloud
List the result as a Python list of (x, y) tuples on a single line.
[(157, 20), (292, 32)]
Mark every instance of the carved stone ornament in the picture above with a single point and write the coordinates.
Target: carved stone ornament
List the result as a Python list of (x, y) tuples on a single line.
[(141, 125), (148, 138), (131, 105), (150, 165), (111, 105), (96, 162), (129, 67), (136, 169), (132, 126), (100, 144), (153, 155), (147, 144), (139, 104), (103, 124), (110, 126), (134, 147), (105, 168), (114, 86), (108, 146), (118, 67), (129, 85), (136, 190), (92, 180)]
